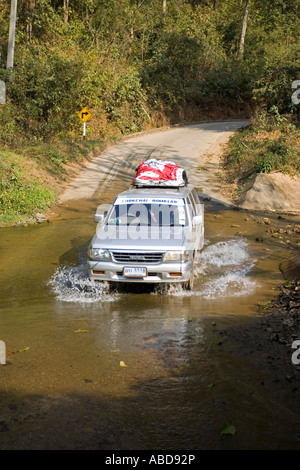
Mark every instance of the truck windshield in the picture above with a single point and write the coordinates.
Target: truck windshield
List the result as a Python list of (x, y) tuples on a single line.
[(148, 214)]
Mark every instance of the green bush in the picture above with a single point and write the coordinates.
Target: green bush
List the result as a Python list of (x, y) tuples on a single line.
[(24, 198), (265, 163), (124, 101), (273, 89), (45, 92), (20, 192), (49, 88), (270, 143)]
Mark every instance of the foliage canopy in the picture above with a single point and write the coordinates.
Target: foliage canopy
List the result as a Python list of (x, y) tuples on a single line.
[(136, 64)]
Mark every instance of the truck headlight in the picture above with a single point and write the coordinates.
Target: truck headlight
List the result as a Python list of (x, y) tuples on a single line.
[(99, 254), (176, 256)]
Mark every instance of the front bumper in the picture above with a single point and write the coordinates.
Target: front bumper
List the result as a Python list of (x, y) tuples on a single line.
[(167, 272)]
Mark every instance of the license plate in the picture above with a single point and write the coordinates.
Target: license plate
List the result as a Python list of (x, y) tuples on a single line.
[(134, 272)]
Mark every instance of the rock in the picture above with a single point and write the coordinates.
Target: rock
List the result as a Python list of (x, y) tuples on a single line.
[(271, 192), (291, 268), (3, 426), (40, 218)]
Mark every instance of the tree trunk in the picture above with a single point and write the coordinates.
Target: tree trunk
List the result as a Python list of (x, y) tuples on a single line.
[(244, 28), (66, 11), (30, 9), (164, 6), (131, 30), (12, 34)]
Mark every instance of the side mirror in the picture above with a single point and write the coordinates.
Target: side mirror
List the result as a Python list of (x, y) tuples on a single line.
[(101, 212), (98, 218), (197, 220)]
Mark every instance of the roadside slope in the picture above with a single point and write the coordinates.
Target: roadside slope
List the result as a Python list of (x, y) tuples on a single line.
[(272, 192)]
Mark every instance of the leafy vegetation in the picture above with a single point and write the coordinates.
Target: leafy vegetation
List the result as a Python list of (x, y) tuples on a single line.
[(31, 177), (127, 60), (137, 64), (19, 194), (270, 143)]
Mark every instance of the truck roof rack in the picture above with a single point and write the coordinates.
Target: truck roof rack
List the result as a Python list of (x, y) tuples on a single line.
[(159, 184), (160, 174)]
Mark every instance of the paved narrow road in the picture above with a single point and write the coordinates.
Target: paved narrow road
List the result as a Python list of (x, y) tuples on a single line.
[(195, 147)]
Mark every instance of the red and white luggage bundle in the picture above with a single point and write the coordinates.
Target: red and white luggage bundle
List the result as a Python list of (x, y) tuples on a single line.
[(160, 173)]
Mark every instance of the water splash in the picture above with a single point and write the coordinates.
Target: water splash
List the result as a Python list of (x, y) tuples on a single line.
[(232, 284), (221, 269), (222, 254), (72, 284), (226, 266)]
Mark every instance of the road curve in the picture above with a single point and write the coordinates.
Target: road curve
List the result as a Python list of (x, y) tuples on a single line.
[(196, 147)]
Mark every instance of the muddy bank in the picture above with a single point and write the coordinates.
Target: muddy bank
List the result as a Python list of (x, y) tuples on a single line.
[(268, 344), (268, 341)]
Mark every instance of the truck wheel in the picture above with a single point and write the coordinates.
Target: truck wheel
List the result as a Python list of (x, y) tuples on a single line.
[(189, 285), (190, 282)]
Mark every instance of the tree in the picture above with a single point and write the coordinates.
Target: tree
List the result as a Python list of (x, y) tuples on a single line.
[(135, 14), (30, 10), (244, 28), (12, 33), (66, 11)]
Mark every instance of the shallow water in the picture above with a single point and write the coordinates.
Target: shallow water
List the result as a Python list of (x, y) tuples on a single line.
[(64, 385)]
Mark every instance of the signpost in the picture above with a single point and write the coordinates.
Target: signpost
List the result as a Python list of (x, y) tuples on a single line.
[(84, 116)]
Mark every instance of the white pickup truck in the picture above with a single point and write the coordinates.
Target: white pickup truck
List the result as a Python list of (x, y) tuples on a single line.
[(148, 235)]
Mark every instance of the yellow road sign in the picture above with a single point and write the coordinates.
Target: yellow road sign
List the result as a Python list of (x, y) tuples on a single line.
[(84, 115)]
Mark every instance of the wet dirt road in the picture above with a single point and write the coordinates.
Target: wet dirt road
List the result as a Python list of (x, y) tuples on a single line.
[(137, 368)]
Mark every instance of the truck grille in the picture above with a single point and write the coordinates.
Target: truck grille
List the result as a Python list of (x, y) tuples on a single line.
[(137, 257)]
